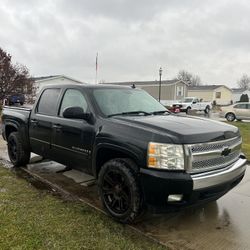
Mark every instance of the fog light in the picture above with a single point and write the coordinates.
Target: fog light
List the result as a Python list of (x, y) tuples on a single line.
[(175, 197)]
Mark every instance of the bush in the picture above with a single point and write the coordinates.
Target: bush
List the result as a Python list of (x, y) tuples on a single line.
[(244, 98)]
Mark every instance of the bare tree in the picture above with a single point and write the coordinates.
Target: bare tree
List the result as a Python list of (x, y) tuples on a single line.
[(14, 78), (244, 82), (189, 78)]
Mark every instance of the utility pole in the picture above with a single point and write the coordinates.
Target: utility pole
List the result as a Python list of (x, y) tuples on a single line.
[(160, 74)]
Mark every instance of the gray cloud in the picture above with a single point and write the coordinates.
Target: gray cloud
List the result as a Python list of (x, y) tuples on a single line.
[(133, 38)]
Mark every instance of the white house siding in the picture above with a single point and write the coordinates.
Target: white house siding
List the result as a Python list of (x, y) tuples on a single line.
[(50, 81), (226, 96), (168, 91), (237, 95)]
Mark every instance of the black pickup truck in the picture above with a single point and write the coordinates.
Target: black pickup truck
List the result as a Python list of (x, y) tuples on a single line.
[(141, 154)]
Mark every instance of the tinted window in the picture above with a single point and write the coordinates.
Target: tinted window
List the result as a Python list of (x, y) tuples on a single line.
[(113, 101), (48, 102), (240, 106), (248, 106), (73, 98)]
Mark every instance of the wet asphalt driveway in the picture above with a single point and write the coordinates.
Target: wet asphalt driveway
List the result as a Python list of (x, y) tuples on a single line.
[(224, 224)]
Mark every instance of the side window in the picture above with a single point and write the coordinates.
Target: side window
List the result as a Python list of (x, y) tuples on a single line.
[(240, 106), (180, 90), (48, 102), (73, 98), (218, 95)]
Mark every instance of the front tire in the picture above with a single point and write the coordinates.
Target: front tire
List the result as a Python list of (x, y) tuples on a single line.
[(120, 191), (18, 154), (230, 117)]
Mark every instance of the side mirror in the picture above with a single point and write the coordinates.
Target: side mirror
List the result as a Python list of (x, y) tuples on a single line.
[(75, 113), (194, 102)]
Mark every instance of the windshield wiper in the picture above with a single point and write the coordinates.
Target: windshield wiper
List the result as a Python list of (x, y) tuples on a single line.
[(160, 112), (131, 113)]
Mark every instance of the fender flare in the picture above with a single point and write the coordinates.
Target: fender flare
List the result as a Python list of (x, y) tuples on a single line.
[(111, 146)]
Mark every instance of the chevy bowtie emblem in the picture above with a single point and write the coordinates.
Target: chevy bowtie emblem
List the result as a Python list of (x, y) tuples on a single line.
[(226, 151)]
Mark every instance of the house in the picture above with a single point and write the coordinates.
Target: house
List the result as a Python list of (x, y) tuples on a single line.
[(219, 94), (171, 90), (237, 92), (40, 82)]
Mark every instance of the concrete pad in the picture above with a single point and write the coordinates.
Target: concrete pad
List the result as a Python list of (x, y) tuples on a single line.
[(46, 166), (78, 176), (88, 183)]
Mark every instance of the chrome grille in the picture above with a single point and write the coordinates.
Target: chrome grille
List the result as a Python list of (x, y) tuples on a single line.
[(215, 145), (209, 156)]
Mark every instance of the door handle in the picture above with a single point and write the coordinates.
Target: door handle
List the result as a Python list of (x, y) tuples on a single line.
[(34, 121), (56, 126)]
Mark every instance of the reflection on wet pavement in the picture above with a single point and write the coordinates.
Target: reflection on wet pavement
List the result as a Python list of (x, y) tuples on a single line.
[(218, 225)]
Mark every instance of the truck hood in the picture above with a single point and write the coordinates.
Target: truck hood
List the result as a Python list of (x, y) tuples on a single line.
[(181, 129)]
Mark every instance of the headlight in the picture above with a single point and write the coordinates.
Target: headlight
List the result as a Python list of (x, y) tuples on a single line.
[(165, 156)]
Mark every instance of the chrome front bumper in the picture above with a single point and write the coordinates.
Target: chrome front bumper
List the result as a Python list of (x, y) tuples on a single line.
[(220, 176)]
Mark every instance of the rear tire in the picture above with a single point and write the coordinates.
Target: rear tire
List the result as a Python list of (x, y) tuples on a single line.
[(18, 154), (230, 117), (188, 110), (120, 191)]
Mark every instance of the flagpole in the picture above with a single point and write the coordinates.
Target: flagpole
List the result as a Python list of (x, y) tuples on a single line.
[(96, 67)]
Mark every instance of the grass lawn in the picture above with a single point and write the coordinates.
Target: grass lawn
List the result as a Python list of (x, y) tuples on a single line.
[(35, 219), (245, 133)]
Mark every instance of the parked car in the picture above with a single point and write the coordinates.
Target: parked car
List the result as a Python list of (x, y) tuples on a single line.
[(239, 111), (194, 103), (140, 153), (15, 99), (174, 109)]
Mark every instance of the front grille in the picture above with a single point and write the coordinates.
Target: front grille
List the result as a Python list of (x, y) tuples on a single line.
[(209, 156), (215, 145)]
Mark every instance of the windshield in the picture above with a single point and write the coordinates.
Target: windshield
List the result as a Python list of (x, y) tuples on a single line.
[(187, 100), (116, 101)]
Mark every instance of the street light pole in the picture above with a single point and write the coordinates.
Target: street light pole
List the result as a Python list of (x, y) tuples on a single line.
[(160, 73)]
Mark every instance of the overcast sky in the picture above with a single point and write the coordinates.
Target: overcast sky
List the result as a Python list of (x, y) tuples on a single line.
[(133, 38)]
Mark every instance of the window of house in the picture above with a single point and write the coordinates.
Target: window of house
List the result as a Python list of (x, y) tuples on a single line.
[(48, 102), (180, 90), (218, 95), (73, 98)]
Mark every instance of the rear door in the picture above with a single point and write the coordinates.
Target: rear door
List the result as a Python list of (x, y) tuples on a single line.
[(196, 104), (40, 124), (248, 112), (72, 138)]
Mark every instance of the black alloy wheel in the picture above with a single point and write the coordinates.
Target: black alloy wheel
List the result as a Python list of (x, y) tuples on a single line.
[(119, 190), (19, 154), (116, 192), (12, 149)]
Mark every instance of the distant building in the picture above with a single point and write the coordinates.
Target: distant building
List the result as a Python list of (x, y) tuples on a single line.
[(170, 89), (220, 94), (40, 82), (237, 92)]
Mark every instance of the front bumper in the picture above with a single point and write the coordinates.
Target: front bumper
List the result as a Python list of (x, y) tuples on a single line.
[(195, 188)]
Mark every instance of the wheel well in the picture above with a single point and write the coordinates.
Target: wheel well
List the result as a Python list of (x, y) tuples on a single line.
[(9, 129), (106, 154)]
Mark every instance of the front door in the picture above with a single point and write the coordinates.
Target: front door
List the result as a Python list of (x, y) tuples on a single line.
[(72, 138)]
